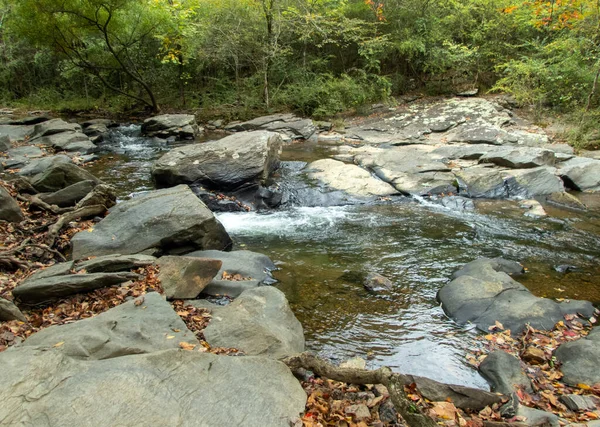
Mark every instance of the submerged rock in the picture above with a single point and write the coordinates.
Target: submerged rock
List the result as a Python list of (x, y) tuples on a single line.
[(169, 221), (180, 126)]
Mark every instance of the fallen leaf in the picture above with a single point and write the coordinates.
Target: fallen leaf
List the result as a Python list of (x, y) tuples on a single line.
[(187, 346), (59, 344)]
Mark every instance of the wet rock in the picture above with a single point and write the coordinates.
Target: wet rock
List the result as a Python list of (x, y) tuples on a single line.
[(457, 203), (565, 200), (241, 270), (186, 277), (96, 129), (519, 158), (484, 294), (534, 356), (565, 268), (38, 166), (474, 268), (9, 311), (228, 163), (351, 179), (171, 220), (216, 203), (504, 373), (70, 195), (581, 174), (113, 263), (259, 322), (534, 208), (166, 388), (580, 360), (39, 291), (180, 126), (290, 126), (375, 282), (9, 208), (61, 175), (533, 182), (52, 127)]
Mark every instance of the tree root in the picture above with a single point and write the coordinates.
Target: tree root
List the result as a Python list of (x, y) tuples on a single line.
[(394, 383), (85, 212)]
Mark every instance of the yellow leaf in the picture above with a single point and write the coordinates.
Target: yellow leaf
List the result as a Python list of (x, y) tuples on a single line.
[(170, 337), (59, 344), (186, 346)]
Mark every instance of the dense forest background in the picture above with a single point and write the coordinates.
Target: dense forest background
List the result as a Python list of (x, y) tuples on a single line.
[(235, 58)]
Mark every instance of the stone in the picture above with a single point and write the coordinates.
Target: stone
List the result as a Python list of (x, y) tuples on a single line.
[(582, 174), (578, 403), (566, 201), (519, 158), (5, 143), (168, 388), (290, 126), (65, 141), (482, 134), (38, 166), (251, 269), (534, 356), (527, 183), (59, 176), (580, 360), (16, 133), (375, 282), (9, 208), (186, 277), (387, 413), (144, 325), (481, 182), (504, 373), (260, 323), (9, 311), (113, 263), (228, 163), (180, 126), (358, 412), (60, 269), (351, 179), (172, 220), (69, 196), (28, 151), (478, 266), (52, 127), (534, 208), (483, 294), (40, 291), (355, 363), (457, 203), (536, 417), (28, 121)]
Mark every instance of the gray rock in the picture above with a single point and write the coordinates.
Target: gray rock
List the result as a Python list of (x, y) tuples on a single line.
[(580, 360), (481, 182), (29, 151), (457, 203), (287, 124), (181, 126), (95, 131), (484, 134), (484, 294), (351, 179), (144, 325), (39, 291), (170, 220), (59, 176), (258, 322), (59, 269), (52, 127), (9, 208), (536, 417), (70, 195), (504, 373), (38, 166), (581, 174), (376, 282), (5, 143), (224, 164), (566, 201), (63, 140), (479, 268), (114, 263), (526, 183), (16, 133), (186, 277), (9, 311), (253, 268), (519, 158), (579, 403), (169, 388), (99, 122)]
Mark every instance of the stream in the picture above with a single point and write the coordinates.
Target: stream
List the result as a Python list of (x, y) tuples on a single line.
[(416, 244)]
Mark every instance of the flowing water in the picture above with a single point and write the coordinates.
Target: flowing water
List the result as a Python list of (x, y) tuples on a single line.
[(414, 243)]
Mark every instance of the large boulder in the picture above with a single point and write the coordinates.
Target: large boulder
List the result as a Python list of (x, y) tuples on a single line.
[(259, 322), (528, 183), (224, 164), (240, 271), (9, 208), (52, 127), (169, 388), (290, 126), (185, 277), (170, 220), (144, 325), (59, 176), (581, 174), (580, 360), (69, 141), (180, 126), (351, 179), (484, 293)]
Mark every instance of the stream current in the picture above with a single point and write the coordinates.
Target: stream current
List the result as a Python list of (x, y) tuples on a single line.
[(416, 244)]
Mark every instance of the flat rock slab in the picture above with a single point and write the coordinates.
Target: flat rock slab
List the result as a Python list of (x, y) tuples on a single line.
[(144, 325), (248, 157), (241, 270), (170, 388), (351, 179), (290, 126), (260, 323), (162, 220), (38, 166), (519, 158), (186, 277), (484, 293), (580, 360), (114, 263), (180, 126), (69, 141), (52, 127), (38, 291)]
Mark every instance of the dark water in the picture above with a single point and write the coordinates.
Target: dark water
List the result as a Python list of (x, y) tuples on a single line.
[(415, 244)]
